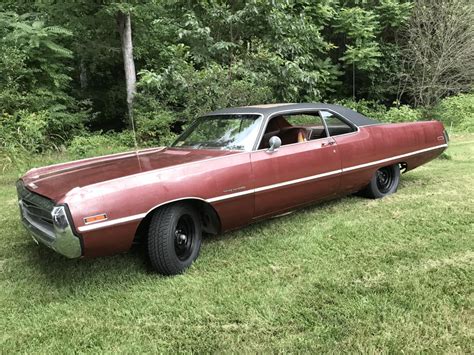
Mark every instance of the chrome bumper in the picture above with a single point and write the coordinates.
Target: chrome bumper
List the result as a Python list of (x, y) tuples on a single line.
[(63, 241)]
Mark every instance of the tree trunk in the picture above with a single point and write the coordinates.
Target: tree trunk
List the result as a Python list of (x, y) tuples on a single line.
[(83, 74), (125, 29)]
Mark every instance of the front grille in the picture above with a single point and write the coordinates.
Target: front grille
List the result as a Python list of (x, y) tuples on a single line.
[(37, 213), (36, 210)]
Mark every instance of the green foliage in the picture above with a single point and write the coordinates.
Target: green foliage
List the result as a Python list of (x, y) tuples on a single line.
[(62, 69), (295, 52), (24, 128), (181, 93), (37, 112), (153, 123), (393, 14), (361, 27), (36, 72), (100, 143), (457, 112), (212, 88), (368, 108), (404, 113), (21, 135)]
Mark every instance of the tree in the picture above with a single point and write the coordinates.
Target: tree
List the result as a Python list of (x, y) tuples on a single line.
[(36, 107), (360, 27), (438, 51), (125, 29)]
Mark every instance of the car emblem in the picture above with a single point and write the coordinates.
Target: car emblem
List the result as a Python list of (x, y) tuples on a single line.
[(33, 185)]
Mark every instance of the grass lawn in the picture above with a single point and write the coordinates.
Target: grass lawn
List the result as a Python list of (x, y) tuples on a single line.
[(395, 274)]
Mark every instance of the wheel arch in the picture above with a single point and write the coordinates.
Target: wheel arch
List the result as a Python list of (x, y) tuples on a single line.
[(211, 222)]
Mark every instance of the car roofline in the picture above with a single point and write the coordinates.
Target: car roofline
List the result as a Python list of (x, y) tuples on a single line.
[(352, 116)]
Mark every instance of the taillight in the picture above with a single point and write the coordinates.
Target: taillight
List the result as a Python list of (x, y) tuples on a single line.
[(446, 136)]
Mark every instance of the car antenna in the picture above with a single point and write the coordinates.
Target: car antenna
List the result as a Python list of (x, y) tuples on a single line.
[(130, 114)]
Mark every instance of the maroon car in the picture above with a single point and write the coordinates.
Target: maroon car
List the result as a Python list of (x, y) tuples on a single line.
[(228, 169)]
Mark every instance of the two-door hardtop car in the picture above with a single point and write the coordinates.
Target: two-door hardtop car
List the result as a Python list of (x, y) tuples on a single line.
[(228, 169)]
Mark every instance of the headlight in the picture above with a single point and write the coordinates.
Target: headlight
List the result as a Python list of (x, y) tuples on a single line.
[(60, 218)]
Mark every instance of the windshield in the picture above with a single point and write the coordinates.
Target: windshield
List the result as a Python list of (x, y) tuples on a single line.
[(226, 132)]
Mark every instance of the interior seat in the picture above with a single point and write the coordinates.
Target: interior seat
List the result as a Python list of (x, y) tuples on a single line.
[(293, 135)]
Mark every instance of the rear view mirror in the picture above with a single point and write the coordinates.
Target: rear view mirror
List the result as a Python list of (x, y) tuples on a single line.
[(275, 143)]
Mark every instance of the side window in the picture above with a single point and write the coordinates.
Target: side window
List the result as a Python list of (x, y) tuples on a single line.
[(296, 128), (335, 125)]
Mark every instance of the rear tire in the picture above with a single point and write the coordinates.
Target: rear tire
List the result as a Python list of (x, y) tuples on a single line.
[(174, 238), (384, 182)]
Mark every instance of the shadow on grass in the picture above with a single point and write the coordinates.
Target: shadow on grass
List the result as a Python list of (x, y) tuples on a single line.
[(62, 273), (288, 217)]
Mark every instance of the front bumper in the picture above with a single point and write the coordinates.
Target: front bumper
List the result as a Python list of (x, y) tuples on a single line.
[(34, 209)]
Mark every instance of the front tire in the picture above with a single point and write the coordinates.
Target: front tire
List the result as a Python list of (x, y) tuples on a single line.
[(384, 182), (174, 238)]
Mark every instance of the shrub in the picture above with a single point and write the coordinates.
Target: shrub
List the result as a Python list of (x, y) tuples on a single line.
[(25, 129), (379, 112), (40, 130), (368, 108), (171, 98), (457, 112), (100, 144), (153, 123), (404, 113), (216, 87)]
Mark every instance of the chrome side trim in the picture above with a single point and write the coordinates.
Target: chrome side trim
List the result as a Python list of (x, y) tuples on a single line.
[(392, 158), (251, 191), (233, 113), (226, 197), (133, 217), (111, 222), (297, 181)]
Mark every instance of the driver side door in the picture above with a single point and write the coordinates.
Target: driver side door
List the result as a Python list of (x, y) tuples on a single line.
[(298, 172)]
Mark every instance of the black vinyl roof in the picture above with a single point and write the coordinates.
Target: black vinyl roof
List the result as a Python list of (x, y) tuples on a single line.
[(274, 109)]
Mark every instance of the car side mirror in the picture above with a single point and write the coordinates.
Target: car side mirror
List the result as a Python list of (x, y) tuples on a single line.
[(275, 143)]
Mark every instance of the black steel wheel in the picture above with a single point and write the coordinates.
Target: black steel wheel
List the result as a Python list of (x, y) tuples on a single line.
[(174, 238), (184, 237), (385, 179), (384, 182)]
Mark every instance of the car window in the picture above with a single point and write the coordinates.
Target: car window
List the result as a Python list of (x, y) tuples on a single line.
[(294, 128), (232, 132), (335, 124)]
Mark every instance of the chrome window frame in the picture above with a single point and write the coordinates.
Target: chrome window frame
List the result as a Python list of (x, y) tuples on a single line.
[(312, 110)]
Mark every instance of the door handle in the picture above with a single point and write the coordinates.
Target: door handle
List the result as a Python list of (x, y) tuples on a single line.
[(325, 144)]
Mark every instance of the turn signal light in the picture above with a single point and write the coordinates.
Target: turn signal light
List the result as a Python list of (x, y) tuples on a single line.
[(96, 218)]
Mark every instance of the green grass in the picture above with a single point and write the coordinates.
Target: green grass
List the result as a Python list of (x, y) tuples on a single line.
[(353, 274)]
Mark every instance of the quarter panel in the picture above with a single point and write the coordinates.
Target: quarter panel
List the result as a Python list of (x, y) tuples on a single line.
[(382, 142)]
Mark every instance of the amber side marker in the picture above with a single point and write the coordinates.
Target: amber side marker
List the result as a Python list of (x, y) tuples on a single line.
[(96, 218)]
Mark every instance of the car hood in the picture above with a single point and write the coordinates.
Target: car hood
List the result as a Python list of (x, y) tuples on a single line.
[(55, 181)]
